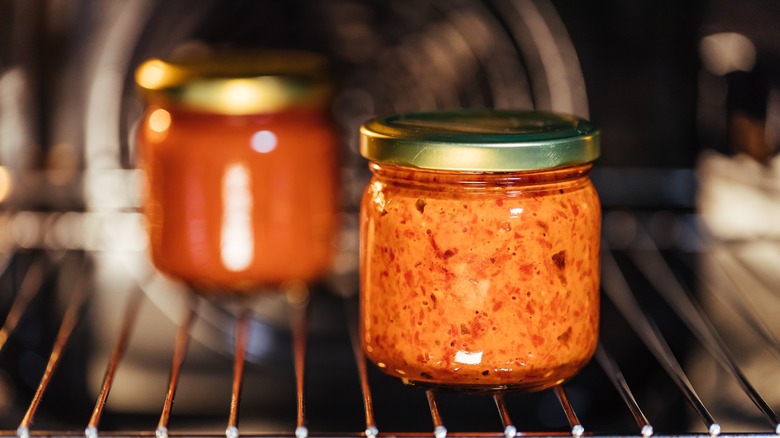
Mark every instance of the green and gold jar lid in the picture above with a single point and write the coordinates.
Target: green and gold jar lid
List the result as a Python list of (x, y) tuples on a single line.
[(480, 140), (236, 82)]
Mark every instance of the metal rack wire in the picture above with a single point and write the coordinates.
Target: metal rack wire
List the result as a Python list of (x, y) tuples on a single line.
[(642, 251)]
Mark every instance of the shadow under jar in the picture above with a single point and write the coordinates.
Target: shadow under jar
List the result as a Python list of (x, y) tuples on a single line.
[(480, 248), (239, 155)]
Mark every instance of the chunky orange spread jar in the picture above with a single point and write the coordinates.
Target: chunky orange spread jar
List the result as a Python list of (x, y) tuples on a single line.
[(239, 155), (480, 248)]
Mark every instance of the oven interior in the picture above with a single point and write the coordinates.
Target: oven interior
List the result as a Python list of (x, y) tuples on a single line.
[(687, 99)]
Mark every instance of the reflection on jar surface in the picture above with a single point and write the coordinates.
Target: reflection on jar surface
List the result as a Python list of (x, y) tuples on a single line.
[(237, 198), (480, 280)]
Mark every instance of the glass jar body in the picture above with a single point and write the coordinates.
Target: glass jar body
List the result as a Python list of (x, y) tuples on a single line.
[(234, 202), (480, 281)]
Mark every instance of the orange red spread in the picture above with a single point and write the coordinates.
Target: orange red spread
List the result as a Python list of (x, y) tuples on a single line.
[(237, 201), (239, 155), (480, 281)]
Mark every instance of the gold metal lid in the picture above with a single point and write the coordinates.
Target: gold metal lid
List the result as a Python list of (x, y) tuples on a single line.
[(237, 82), (480, 140)]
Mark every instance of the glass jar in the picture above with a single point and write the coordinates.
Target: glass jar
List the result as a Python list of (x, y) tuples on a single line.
[(480, 248), (239, 155)]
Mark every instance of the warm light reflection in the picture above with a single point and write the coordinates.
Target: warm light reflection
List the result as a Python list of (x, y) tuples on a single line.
[(25, 228), (151, 75), (376, 191), (159, 120), (468, 357), (264, 141), (237, 249), (157, 125), (240, 95), (727, 52), (5, 184)]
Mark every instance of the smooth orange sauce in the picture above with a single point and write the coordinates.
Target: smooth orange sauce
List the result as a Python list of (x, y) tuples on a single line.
[(236, 202), (480, 281)]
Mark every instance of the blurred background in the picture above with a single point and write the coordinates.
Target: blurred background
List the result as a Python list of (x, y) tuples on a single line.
[(686, 95)]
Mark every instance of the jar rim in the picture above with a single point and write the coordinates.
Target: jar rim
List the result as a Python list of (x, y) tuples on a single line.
[(480, 140), (236, 82)]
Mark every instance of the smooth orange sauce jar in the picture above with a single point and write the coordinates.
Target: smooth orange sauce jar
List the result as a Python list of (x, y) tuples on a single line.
[(239, 155), (480, 248)]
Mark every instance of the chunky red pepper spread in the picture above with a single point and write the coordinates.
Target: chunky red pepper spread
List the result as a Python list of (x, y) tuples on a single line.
[(480, 281)]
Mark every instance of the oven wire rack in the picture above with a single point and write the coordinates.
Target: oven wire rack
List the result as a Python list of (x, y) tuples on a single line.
[(643, 252)]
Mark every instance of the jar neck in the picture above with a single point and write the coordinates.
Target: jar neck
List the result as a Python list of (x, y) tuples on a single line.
[(390, 173), (291, 113)]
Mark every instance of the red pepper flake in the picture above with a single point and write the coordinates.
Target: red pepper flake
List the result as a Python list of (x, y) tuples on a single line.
[(486, 372), (437, 251), (447, 274), (556, 304), (499, 202), (464, 330), (433, 299), (543, 225), (409, 278), (537, 340), (559, 258), (565, 336), (434, 245), (497, 305), (420, 205), (506, 226), (527, 268)]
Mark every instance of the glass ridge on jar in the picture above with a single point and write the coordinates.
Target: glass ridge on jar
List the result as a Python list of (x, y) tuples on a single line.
[(479, 280), (239, 155)]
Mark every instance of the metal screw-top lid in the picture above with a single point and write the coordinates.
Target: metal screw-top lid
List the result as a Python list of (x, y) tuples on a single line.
[(237, 82), (480, 140)]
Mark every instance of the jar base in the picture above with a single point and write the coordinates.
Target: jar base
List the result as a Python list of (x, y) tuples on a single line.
[(484, 389)]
